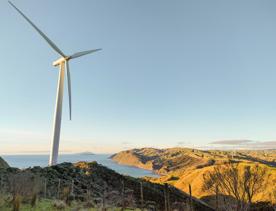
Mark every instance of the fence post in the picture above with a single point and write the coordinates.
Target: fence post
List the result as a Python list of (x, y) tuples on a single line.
[(216, 197), (72, 187), (123, 195), (191, 200), (72, 190), (58, 193), (123, 187), (1, 185), (88, 194), (142, 195), (104, 196), (45, 188), (165, 197), (168, 199)]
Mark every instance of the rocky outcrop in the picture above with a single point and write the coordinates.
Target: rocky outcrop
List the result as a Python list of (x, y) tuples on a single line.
[(3, 163)]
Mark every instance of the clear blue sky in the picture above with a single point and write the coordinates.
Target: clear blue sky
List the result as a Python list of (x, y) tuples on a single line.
[(170, 73)]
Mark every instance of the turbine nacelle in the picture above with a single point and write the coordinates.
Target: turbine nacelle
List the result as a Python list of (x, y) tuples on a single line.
[(60, 61)]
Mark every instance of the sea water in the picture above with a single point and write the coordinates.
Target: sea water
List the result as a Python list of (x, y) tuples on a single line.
[(25, 161)]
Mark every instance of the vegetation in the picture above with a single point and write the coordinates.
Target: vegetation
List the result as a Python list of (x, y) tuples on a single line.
[(54, 205), (234, 182), (23, 186), (88, 186), (181, 167), (223, 180), (3, 163)]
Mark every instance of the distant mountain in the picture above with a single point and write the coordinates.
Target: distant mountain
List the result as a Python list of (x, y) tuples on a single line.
[(85, 153), (3, 163)]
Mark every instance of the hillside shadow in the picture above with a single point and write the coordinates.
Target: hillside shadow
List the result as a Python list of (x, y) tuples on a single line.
[(254, 159)]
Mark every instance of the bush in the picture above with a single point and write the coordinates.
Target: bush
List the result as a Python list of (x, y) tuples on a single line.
[(59, 205), (16, 202)]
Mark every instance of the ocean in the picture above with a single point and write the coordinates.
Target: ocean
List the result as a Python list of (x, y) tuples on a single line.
[(25, 161)]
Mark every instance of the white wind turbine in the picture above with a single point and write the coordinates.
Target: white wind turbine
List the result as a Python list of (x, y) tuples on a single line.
[(63, 64)]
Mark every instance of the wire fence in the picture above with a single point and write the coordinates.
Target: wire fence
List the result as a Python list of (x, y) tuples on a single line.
[(140, 195)]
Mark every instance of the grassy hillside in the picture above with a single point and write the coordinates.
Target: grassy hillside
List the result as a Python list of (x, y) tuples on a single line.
[(162, 161), (90, 185), (49, 204), (183, 166)]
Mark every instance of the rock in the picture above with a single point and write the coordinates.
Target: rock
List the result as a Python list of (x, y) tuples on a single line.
[(3, 163)]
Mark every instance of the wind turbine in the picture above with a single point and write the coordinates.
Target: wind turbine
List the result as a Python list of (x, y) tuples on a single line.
[(62, 63)]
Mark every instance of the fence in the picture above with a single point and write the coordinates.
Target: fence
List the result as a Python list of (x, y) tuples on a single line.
[(141, 195)]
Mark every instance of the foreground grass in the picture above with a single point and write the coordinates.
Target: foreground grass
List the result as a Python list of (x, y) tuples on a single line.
[(48, 205)]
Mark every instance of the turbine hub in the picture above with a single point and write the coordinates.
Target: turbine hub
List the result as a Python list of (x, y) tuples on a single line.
[(60, 61)]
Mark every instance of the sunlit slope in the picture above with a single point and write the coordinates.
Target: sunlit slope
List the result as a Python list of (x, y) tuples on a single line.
[(183, 166), (163, 160), (195, 178)]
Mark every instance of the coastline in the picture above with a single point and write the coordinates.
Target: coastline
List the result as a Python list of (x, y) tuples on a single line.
[(27, 161), (136, 167)]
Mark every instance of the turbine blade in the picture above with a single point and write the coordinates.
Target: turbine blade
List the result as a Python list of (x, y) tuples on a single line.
[(69, 89), (82, 53), (53, 45)]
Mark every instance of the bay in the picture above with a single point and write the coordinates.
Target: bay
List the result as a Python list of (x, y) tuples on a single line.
[(25, 161)]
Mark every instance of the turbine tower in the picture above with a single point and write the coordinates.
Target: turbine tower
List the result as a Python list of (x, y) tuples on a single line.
[(63, 64)]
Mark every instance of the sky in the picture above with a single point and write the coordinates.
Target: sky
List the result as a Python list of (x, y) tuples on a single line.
[(171, 73)]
